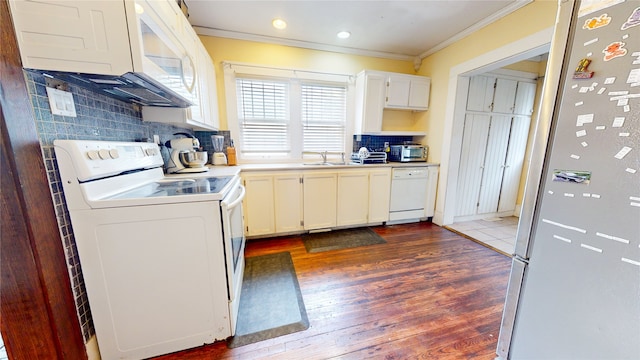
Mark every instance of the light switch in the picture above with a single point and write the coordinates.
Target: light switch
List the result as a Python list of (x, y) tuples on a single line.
[(61, 102)]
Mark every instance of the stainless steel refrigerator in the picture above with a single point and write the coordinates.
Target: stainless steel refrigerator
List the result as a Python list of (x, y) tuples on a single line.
[(574, 289)]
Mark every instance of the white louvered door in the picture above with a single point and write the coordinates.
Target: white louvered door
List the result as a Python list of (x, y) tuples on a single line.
[(504, 97), (494, 164), (514, 163), (525, 96), (480, 93), (494, 141), (474, 143)]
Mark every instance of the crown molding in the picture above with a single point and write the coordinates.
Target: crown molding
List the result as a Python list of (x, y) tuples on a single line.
[(417, 60), (477, 26), (201, 30)]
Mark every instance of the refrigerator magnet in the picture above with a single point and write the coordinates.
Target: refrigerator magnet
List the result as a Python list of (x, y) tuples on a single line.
[(618, 121), (597, 22), (633, 20), (622, 153), (584, 119), (581, 71), (572, 176), (614, 50)]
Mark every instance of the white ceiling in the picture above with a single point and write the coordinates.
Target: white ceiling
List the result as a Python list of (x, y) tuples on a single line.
[(388, 29)]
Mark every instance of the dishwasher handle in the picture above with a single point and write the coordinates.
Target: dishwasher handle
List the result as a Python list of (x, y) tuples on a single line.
[(409, 173)]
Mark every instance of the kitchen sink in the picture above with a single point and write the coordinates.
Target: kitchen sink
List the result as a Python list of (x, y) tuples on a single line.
[(323, 164), (328, 163)]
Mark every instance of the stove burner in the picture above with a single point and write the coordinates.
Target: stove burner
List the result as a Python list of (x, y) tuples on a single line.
[(210, 185)]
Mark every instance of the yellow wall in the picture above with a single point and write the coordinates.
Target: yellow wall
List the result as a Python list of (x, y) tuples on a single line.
[(221, 49), (528, 20), (526, 66)]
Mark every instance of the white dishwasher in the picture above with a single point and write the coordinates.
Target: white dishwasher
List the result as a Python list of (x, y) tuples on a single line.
[(408, 194)]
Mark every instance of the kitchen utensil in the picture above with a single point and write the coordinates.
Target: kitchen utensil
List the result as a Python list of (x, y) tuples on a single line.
[(219, 158), (185, 155), (231, 154), (193, 158), (363, 153)]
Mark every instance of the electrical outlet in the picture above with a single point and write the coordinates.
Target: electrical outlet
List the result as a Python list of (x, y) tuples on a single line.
[(156, 139), (61, 102)]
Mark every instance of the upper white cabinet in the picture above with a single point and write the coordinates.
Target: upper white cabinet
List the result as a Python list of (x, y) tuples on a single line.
[(142, 51), (75, 36), (370, 95), (378, 90), (407, 92)]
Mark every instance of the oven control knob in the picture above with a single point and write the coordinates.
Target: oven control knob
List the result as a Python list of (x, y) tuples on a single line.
[(93, 155), (104, 154), (151, 152), (114, 153)]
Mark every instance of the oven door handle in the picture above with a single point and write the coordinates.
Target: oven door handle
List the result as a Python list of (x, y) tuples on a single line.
[(238, 200)]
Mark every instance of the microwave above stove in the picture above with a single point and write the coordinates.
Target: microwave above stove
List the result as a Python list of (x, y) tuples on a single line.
[(408, 153)]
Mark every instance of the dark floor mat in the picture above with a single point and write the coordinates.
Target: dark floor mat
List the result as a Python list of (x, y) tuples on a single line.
[(341, 239), (271, 303)]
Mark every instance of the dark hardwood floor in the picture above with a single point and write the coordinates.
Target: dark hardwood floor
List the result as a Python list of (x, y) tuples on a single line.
[(426, 294)]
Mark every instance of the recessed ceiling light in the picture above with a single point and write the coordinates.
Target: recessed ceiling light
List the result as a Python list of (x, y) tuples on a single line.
[(279, 24), (344, 34)]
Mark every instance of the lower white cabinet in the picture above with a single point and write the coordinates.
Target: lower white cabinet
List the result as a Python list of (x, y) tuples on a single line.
[(259, 205), (288, 199), (353, 198), (293, 201), (379, 195), (320, 196)]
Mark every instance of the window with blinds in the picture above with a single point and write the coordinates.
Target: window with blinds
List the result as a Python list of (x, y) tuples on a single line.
[(323, 117), (263, 116), (283, 118)]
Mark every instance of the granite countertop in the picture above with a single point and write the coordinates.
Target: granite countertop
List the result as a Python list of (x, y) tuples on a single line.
[(313, 166), (223, 170)]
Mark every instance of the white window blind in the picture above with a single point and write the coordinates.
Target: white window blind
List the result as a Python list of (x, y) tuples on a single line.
[(282, 118), (323, 117), (263, 116)]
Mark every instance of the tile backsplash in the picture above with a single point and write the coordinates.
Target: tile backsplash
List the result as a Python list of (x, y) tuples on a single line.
[(98, 118), (376, 142)]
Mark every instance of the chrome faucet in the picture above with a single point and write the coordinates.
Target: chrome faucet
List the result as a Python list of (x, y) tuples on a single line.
[(324, 155)]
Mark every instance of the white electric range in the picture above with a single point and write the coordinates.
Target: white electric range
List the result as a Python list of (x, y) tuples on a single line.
[(162, 257)]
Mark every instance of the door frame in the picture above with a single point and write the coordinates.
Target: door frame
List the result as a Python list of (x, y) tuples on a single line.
[(38, 312), (525, 48), (519, 77)]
